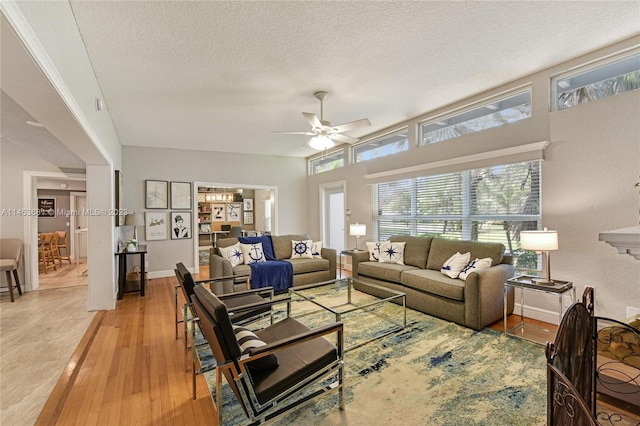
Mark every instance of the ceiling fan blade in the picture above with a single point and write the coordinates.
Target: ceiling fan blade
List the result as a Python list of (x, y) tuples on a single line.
[(293, 133), (312, 119), (343, 138), (351, 125)]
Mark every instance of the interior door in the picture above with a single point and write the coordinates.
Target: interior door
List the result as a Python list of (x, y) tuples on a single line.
[(333, 216)]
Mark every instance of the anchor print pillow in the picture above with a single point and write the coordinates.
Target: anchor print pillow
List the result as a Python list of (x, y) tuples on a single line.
[(455, 264), (301, 249), (233, 254), (392, 252), (252, 253), (475, 265), (316, 249), (374, 251)]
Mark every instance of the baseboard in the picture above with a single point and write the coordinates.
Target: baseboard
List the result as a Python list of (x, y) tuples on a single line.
[(538, 314)]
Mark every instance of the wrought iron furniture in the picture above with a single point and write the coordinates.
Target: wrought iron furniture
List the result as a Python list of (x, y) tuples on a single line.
[(598, 357), (10, 261), (304, 360)]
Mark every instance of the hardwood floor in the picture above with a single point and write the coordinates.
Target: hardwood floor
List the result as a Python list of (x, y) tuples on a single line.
[(66, 275), (129, 368)]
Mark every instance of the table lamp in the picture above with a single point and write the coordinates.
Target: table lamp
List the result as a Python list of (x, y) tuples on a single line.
[(357, 230), (542, 241), (134, 219)]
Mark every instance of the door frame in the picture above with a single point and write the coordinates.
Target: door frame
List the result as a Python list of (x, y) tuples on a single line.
[(324, 189), (30, 225)]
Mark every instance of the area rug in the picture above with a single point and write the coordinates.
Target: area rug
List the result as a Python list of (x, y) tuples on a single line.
[(433, 372)]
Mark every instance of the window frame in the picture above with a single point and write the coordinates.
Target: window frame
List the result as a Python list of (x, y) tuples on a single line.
[(396, 132), (325, 155), (468, 108)]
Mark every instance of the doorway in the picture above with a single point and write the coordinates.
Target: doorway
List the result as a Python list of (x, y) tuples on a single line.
[(332, 205)]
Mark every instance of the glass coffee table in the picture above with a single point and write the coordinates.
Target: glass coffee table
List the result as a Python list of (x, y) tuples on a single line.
[(365, 317)]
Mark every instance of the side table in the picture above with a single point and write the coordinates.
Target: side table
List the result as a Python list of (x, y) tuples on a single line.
[(525, 282), (349, 253), (122, 267)]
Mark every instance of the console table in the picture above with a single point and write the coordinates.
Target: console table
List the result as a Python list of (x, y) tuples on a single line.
[(122, 268)]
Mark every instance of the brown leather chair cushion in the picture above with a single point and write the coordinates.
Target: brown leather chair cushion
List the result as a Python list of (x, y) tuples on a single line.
[(295, 363)]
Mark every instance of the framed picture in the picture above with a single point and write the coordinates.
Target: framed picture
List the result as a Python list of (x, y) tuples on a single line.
[(233, 212), (46, 207), (248, 204), (156, 194), (217, 212), (119, 201), (248, 218), (156, 226), (180, 225), (181, 195)]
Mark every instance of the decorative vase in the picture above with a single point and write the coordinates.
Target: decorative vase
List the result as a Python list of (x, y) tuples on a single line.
[(131, 247)]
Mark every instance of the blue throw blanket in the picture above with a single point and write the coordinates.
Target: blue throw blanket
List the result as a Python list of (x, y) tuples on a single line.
[(275, 273)]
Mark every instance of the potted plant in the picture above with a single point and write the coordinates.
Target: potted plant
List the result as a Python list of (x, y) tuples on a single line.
[(132, 244)]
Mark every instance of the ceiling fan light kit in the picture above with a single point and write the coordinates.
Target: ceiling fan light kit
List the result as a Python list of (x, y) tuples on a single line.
[(324, 134)]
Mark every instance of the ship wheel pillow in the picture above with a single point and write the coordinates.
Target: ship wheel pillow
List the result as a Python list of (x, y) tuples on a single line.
[(301, 249)]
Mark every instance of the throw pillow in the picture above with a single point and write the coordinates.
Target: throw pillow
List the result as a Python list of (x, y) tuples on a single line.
[(316, 249), (252, 253), (374, 251), (392, 252), (233, 254), (473, 266), (454, 265), (267, 245), (301, 249), (247, 340)]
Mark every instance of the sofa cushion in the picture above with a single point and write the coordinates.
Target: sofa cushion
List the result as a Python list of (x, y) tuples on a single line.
[(242, 270), (282, 244), (416, 249), (442, 249), (434, 282), (392, 253), (303, 266), (383, 271)]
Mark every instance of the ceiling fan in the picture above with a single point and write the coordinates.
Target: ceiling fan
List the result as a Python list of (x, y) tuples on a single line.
[(323, 132)]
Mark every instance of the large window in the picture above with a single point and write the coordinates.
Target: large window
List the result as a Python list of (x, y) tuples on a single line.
[(493, 113), (327, 162), (597, 82), (491, 204), (385, 145)]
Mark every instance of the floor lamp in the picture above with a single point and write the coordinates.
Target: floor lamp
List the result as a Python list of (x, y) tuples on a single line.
[(541, 241), (357, 230)]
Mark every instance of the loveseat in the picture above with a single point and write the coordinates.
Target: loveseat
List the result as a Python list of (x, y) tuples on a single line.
[(474, 302), (320, 267)]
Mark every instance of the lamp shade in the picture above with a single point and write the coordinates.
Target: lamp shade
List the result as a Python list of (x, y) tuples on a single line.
[(321, 142), (134, 219), (539, 240), (357, 230)]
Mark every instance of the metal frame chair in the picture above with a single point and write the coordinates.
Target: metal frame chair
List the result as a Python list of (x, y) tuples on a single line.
[(305, 360)]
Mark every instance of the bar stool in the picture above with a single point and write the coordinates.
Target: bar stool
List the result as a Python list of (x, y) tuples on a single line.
[(10, 260), (63, 243), (45, 253)]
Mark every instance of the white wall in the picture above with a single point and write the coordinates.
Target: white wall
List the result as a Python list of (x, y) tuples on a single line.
[(287, 174), (588, 177)]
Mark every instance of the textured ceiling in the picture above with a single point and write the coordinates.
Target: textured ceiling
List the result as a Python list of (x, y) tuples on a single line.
[(221, 76)]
